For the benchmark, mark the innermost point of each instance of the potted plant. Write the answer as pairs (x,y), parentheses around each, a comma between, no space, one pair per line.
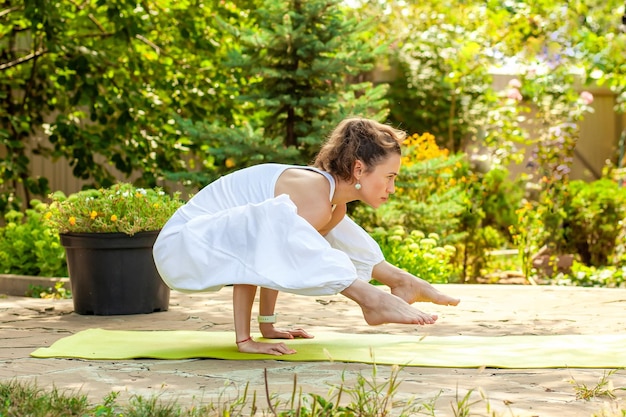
(108,234)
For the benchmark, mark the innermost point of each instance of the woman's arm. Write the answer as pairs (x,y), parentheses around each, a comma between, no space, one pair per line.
(339,212)
(267,303)
(243,298)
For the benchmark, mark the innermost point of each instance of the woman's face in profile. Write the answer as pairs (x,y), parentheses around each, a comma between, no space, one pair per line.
(377,184)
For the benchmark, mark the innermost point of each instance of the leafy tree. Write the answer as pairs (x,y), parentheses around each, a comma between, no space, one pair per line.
(444,52)
(444,86)
(301,59)
(103,81)
(439,71)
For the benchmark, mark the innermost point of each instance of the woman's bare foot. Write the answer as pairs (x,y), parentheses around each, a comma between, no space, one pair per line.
(380,307)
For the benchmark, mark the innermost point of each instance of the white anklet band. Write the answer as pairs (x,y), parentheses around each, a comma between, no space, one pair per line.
(267,319)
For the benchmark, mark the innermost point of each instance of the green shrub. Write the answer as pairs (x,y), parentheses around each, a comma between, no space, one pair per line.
(417,253)
(29,246)
(593,215)
(528,233)
(591,276)
(490,198)
(619,255)
(500,197)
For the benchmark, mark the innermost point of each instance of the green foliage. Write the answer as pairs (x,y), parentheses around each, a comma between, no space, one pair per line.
(18,399)
(600,34)
(442,64)
(593,216)
(604,388)
(121,208)
(188,91)
(417,253)
(112,82)
(619,255)
(300,58)
(527,233)
(30,246)
(103,81)
(489,200)
(443,85)
(590,276)
(558,108)
(444,52)
(500,195)
(587,221)
(228,148)
(59,291)
(369,397)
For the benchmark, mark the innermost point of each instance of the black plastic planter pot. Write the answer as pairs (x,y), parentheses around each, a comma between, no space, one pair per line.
(113,273)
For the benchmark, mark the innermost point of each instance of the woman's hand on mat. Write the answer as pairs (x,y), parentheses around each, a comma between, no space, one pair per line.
(269,332)
(252,346)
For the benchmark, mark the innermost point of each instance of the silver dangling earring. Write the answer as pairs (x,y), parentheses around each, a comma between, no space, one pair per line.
(357,185)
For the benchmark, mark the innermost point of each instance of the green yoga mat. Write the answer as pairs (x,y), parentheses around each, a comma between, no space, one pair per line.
(573,351)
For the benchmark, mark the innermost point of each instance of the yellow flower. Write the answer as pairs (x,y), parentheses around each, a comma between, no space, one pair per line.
(93,214)
(155,205)
(48,215)
(422,147)
(113,218)
(72,220)
(230,163)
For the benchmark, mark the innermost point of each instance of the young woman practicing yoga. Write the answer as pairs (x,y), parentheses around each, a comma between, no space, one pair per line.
(284,228)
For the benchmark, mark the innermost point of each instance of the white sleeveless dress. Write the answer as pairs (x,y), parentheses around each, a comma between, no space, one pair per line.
(235,231)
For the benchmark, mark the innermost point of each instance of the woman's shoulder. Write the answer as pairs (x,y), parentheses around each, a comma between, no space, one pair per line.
(306,175)
(310,192)
(303,181)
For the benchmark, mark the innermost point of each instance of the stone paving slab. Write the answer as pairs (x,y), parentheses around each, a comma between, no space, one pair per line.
(485,310)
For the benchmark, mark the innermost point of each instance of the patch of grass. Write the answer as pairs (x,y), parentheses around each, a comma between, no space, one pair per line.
(368,397)
(604,388)
(463,406)
(429,406)
(375,397)
(28,400)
